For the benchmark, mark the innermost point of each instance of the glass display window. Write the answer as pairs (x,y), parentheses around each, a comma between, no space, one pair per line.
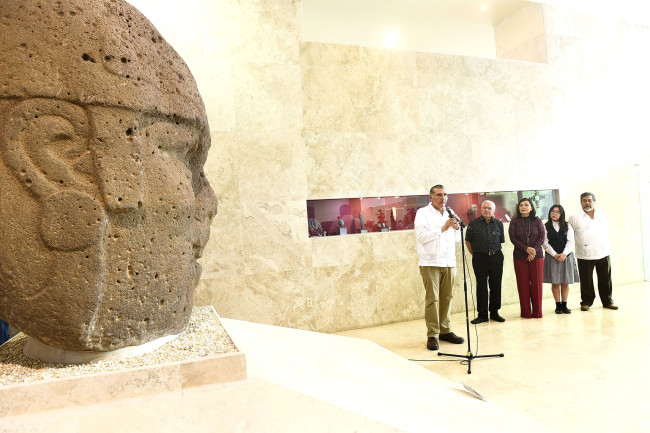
(347,216)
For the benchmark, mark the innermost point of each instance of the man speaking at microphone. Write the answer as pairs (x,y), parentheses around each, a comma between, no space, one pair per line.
(436,235)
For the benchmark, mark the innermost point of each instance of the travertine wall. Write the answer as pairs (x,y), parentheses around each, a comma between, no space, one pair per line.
(293,121)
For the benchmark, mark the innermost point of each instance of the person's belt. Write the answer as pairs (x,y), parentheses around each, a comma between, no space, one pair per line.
(491,253)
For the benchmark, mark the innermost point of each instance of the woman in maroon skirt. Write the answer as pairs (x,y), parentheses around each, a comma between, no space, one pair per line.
(527,233)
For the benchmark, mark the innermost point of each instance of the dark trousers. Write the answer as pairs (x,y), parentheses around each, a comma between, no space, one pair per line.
(488,270)
(603,273)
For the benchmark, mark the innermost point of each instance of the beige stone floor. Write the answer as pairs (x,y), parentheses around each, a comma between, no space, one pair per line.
(581,372)
(584,371)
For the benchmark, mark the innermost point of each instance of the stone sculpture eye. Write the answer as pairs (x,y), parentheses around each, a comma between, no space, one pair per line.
(172,139)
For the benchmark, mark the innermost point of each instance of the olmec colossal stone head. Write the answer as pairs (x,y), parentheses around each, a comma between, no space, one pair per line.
(104,207)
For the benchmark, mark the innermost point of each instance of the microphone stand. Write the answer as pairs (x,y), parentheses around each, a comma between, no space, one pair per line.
(469,356)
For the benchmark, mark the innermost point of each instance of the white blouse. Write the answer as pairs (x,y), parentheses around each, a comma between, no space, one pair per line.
(568,248)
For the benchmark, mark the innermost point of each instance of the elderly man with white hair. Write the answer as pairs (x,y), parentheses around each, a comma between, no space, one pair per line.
(483,239)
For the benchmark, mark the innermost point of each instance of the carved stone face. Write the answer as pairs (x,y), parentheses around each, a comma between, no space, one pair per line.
(104,207)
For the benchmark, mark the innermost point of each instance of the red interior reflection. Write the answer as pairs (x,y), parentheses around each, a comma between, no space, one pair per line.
(377,214)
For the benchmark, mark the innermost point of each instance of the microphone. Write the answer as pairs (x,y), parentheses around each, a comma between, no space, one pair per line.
(453,215)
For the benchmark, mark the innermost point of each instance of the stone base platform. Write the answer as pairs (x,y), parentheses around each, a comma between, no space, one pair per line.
(203,354)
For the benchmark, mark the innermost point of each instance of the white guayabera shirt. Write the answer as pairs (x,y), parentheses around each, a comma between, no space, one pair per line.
(435,247)
(591,235)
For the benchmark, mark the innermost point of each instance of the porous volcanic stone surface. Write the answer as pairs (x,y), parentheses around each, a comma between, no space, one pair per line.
(104,206)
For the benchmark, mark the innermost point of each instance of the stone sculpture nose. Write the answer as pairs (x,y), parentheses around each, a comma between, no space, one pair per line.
(206,209)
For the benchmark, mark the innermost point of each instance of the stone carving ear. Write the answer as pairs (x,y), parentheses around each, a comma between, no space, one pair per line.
(45,144)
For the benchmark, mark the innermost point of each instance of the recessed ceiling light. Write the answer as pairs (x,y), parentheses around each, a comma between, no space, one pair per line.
(391,39)
(484,8)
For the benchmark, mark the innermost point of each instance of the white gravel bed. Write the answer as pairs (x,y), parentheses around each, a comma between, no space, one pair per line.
(203,337)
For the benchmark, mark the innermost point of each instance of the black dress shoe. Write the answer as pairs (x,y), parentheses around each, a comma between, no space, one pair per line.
(432,343)
(450,337)
(479,320)
(497,318)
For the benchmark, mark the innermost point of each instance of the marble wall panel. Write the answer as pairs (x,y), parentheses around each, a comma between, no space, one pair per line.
(522,87)
(448,160)
(267,97)
(342,250)
(278,298)
(227,294)
(434,102)
(215,81)
(281,298)
(336,164)
(224,253)
(487,97)
(344,297)
(394,246)
(319,54)
(271,166)
(221,167)
(400,63)
(267,31)
(203,293)
(334,98)
(275,236)
(397,164)
(440,66)
(399,291)
(390,104)
(373,92)
(484,118)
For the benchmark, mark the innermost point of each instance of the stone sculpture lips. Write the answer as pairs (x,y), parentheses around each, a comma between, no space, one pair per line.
(104,207)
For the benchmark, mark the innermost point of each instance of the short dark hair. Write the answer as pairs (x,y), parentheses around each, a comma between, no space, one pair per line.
(434,187)
(585,194)
(532,213)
